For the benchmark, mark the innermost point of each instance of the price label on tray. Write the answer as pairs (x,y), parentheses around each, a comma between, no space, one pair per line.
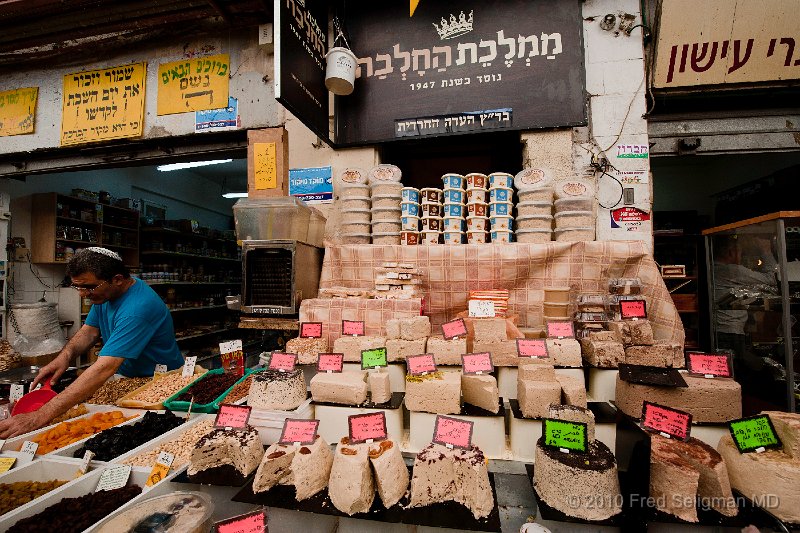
(114,477)
(330,362)
(560,329)
(452,432)
(283,362)
(299,431)
(16,392)
(232,357)
(665,421)
(754,434)
(532,348)
(160,369)
(311,330)
(255,522)
(454,329)
(188,366)
(420,365)
(373,358)
(566,436)
(87,459)
(481,309)
(633,309)
(709,364)
(232,416)
(160,469)
(28,451)
(367,427)
(6,463)
(351,327)
(477,363)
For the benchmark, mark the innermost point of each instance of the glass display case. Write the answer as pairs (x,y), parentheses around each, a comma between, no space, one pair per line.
(754,303)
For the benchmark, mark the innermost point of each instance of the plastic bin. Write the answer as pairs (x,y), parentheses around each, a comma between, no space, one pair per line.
(276,218)
(173,404)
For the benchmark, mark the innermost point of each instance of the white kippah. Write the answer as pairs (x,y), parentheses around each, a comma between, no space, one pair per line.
(104,251)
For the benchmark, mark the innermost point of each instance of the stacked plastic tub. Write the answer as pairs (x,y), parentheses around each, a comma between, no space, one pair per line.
(477,208)
(431,222)
(409,216)
(574,206)
(501,195)
(454,210)
(386,192)
(354,198)
(535,208)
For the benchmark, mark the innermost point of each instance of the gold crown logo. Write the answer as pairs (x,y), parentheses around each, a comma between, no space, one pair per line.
(455,27)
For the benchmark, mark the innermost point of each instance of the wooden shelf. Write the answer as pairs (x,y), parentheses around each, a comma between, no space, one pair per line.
(125,228)
(188,256)
(198,335)
(120,247)
(151,282)
(179,233)
(69,219)
(77,242)
(179,309)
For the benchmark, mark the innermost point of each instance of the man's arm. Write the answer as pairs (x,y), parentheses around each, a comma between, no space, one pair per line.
(85,338)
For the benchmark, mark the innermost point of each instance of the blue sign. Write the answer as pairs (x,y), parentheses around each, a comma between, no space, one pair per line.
(225,118)
(312,185)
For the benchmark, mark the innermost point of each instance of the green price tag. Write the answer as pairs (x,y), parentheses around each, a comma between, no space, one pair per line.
(566,436)
(373,358)
(754,434)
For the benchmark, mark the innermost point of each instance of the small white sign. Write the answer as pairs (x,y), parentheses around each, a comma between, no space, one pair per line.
(230,346)
(265,33)
(481,309)
(87,458)
(161,369)
(16,392)
(28,450)
(188,366)
(115,477)
(165,458)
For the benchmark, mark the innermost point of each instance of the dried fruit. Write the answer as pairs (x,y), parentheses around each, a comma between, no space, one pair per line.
(275,455)
(349,451)
(304,450)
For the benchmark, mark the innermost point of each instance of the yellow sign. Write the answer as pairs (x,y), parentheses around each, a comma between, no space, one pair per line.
(193,84)
(158,473)
(266,166)
(413,7)
(99,105)
(6,463)
(17,109)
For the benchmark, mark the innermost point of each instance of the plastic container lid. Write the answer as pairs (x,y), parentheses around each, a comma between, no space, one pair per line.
(534,203)
(539,217)
(352,176)
(533,178)
(394,209)
(562,214)
(187,512)
(574,204)
(384,173)
(574,188)
(562,230)
(359,198)
(389,197)
(355,186)
(534,230)
(388,234)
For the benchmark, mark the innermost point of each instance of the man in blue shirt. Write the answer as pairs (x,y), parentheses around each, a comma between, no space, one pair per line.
(135,325)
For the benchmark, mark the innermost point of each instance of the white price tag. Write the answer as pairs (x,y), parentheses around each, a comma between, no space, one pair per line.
(2,443)
(87,458)
(165,458)
(161,369)
(481,309)
(188,366)
(115,477)
(16,392)
(230,346)
(28,450)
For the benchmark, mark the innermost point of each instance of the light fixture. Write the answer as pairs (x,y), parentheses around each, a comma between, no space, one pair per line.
(192,164)
(235,195)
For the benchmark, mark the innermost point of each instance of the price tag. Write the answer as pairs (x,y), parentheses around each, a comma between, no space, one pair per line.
(283,362)
(454,329)
(188,366)
(160,369)
(29,450)
(420,365)
(633,309)
(566,436)
(367,427)
(477,363)
(481,309)
(709,364)
(560,329)
(330,362)
(6,463)
(232,357)
(311,330)
(2,443)
(16,392)
(453,432)
(160,469)
(350,327)
(87,458)
(115,477)
(373,358)
(296,431)
(754,433)
(255,522)
(232,416)
(532,348)
(662,419)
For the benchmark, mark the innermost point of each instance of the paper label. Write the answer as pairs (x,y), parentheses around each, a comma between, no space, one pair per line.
(160,469)
(481,309)
(232,357)
(560,329)
(453,432)
(419,365)
(29,450)
(311,330)
(659,418)
(711,364)
(532,348)
(330,362)
(16,392)
(282,361)
(351,327)
(454,328)
(255,522)
(160,369)
(188,366)
(265,165)
(6,463)
(115,477)
(633,309)
(572,436)
(477,363)
(373,358)
(87,458)
(299,431)
(754,433)
(370,426)
(232,416)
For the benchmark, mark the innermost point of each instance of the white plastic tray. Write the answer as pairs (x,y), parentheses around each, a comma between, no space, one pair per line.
(170,435)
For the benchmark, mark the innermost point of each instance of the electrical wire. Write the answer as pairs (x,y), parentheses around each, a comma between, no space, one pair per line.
(37,276)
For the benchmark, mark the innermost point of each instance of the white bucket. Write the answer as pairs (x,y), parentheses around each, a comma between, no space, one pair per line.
(340,72)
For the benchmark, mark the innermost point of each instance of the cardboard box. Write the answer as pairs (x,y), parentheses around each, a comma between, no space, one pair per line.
(267,163)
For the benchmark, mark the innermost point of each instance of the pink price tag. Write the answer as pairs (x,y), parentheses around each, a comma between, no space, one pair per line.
(311,330)
(350,327)
(330,362)
(255,522)
(299,431)
(633,309)
(709,364)
(560,329)
(532,348)
(453,329)
(282,361)
(421,364)
(370,426)
(452,432)
(232,416)
(474,363)
(662,419)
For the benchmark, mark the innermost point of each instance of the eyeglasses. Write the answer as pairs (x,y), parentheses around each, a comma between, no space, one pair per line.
(90,290)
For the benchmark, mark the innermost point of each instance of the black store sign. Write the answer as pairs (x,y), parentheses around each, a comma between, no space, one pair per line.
(462,66)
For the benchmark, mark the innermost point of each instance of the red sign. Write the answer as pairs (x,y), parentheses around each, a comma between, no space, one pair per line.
(330,362)
(560,330)
(477,363)
(232,357)
(350,327)
(255,522)
(285,362)
(666,421)
(370,426)
(311,330)
(630,309)
(419,365)
(453,329)
(232,416)
(299,431)
(709,364)
(532,348)
(453,432)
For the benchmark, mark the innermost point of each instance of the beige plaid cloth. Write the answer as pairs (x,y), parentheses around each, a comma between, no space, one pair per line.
(449,272)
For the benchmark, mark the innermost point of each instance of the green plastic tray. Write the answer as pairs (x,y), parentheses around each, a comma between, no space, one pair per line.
(173,404)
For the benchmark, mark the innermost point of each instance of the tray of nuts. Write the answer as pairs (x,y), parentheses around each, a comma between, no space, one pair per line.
(152,395)
(207,391)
